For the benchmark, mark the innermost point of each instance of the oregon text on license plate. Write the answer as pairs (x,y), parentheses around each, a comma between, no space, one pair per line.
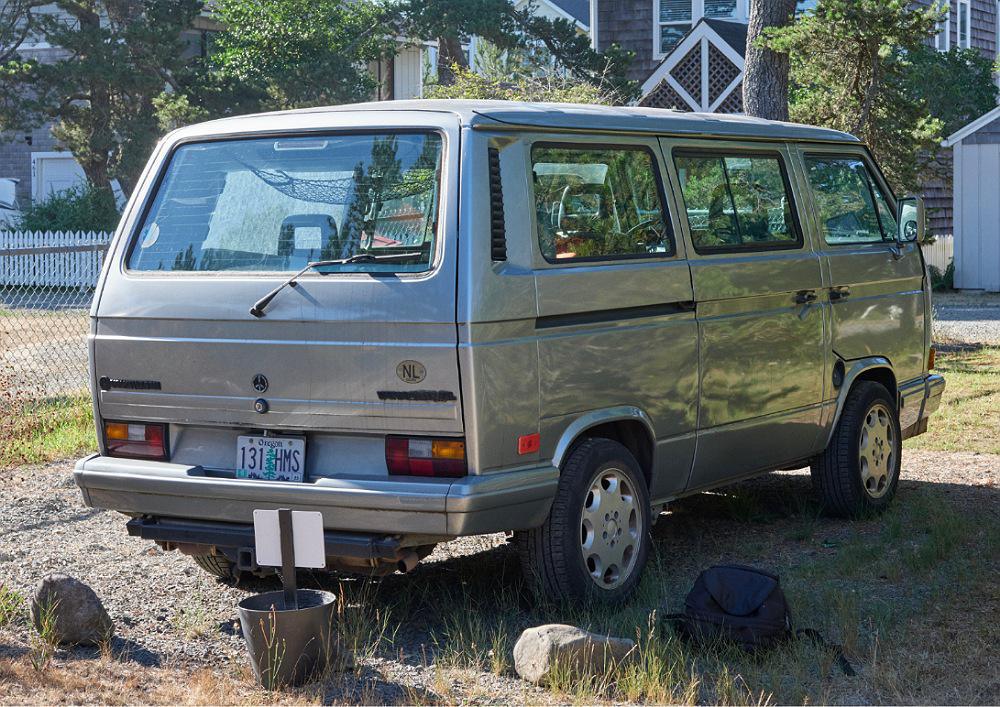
(270,458)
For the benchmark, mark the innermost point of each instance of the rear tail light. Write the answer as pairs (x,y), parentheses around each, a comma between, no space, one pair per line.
(137,440)
(930,359)
(422,456)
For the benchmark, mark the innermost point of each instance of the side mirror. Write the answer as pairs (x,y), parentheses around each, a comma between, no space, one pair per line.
(910,217)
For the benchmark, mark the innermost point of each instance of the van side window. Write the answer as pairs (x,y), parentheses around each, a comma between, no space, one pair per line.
(598,203)
(852,207)
(737,202)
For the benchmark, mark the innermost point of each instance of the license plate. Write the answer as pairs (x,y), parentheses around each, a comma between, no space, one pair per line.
(270,458)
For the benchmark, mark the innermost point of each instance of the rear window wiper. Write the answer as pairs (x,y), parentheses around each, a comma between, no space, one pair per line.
(260,305)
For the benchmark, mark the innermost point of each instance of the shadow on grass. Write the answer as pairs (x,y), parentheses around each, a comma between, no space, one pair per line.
(861,583)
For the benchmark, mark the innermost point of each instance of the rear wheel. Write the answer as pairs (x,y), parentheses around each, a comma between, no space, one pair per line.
(595,542)
(859,471)
(218,565)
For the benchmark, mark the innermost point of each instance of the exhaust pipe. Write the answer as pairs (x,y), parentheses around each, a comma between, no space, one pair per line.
(407,562)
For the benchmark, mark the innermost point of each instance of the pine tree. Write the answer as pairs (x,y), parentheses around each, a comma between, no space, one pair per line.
(118,56)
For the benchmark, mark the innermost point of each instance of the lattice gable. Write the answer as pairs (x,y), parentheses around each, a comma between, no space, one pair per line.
(703,70)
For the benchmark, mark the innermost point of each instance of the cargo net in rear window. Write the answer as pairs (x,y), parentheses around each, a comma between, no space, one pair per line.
(344,190)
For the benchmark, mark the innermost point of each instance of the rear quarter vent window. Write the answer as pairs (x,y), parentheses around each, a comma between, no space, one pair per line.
(498,228)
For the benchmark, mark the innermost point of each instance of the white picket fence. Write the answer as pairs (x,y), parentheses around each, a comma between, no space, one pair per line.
(940,252)
(74,258)
(51,258)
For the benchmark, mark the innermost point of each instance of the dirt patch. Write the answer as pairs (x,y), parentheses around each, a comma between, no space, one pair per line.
(910,594)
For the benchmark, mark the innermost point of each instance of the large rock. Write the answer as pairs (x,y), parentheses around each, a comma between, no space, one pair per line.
(540,648)
(77,615)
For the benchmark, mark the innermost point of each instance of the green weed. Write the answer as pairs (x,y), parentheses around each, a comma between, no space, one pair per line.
(11,606)
(44,640)
(193,620)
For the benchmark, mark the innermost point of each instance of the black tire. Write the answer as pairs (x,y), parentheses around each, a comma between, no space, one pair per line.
(218,565)
(837,473)
(552,555)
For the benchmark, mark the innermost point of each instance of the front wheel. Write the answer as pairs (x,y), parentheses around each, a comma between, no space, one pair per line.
(859,471)
(595,542)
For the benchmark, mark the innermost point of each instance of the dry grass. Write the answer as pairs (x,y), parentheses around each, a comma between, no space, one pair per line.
(969,416)
(930,561)
(119,682)
(911,595)
(40,430)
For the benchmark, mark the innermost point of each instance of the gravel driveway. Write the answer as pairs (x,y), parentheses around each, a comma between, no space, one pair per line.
(967,318)
(169,613)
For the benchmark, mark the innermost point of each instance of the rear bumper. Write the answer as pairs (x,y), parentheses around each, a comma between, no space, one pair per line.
(512,500)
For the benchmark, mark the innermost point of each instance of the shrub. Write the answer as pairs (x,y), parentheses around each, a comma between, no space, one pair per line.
(519,75)
(942,280)
(82,208)
(548,89)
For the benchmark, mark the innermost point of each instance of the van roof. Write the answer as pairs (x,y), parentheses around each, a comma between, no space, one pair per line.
(512,115)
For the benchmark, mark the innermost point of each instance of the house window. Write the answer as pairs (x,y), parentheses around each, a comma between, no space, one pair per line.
(720,9)
(942,40)
(674,19)
(964,21)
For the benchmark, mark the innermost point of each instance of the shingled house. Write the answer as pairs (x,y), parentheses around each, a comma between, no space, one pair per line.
(690,56)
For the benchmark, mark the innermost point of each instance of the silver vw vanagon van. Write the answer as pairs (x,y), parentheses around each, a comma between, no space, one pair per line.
(433,319)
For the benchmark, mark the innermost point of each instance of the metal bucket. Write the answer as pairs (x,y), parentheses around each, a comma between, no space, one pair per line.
(288,646)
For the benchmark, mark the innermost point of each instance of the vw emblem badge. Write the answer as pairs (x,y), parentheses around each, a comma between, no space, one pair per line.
(260,405)
(260,383)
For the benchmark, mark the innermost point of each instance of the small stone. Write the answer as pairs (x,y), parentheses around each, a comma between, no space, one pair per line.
(72,611)
(540,648)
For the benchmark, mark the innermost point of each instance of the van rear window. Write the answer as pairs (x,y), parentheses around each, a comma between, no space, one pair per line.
(277,204)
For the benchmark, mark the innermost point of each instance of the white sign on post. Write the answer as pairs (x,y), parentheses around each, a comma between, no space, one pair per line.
(307,531)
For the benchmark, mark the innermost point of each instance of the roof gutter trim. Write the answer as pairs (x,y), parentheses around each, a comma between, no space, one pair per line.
(524,127)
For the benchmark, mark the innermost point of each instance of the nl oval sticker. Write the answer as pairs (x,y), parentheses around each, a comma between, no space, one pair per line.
(411,371)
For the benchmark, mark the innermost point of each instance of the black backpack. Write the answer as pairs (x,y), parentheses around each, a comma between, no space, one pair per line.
(745,606)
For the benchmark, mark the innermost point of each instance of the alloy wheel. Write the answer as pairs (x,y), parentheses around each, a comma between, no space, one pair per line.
(877,451)
(610,528)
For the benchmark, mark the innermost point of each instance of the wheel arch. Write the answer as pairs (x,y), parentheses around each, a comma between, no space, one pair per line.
(877,369)
(627,425)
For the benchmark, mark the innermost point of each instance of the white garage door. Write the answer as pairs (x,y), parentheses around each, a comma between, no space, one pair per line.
(53,172)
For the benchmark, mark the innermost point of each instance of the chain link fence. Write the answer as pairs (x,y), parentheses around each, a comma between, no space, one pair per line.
(47,283)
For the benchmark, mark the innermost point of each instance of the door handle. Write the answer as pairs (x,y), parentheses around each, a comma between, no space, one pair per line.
(805,296)
(839,293)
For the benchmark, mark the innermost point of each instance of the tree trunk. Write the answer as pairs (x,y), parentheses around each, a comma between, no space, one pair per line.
(450,54)
(88,133)
(765,78)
